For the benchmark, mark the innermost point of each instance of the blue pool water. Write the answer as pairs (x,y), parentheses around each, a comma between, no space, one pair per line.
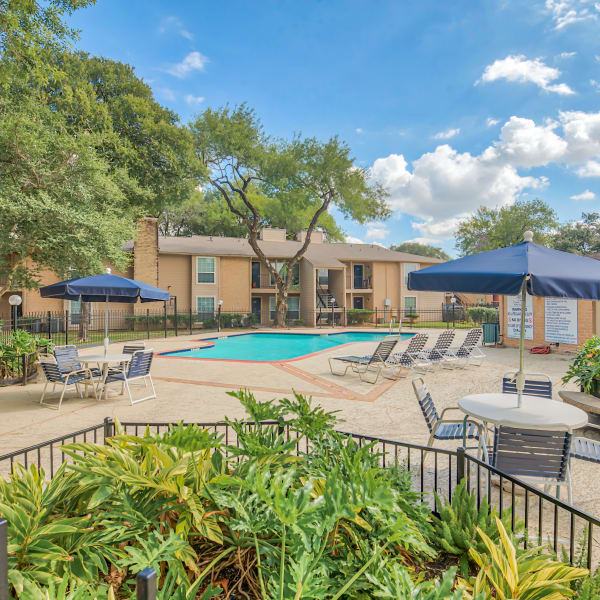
(276,346)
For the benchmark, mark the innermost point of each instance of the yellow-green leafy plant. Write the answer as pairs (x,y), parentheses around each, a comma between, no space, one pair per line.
(505,575)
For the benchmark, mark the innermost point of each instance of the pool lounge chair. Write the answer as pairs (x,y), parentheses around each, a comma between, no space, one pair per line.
(401,363)
(436,355)
(468,352)
(372,362)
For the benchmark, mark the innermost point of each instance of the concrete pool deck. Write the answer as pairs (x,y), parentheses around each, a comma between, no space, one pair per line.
(196,390)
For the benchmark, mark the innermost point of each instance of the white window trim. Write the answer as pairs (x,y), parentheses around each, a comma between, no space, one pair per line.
(207,296)
(405,274)
(404,302)
(196,272)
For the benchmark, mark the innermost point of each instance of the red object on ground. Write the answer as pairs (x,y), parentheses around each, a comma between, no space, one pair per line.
(540,350)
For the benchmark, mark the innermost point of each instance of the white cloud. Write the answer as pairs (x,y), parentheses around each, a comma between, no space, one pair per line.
(522,143)
(595,84)
(582,132)
(191,99)
(194,61)
(376,231)
(446,134)
(166,93)
(491,122)
(175,24)
(359,130)
(567,54)
(353,240)
(590,169)
(518,68)
(567,12)
(587,195)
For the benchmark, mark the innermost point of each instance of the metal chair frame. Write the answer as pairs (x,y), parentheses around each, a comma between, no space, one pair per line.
(469,351)
(435,355)
(138,369)
(54,376)
(401,363)
(542,386)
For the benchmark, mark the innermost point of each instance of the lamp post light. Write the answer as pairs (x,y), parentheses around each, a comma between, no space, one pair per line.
(220,303)
(332,300)
(15,301)
(453,302)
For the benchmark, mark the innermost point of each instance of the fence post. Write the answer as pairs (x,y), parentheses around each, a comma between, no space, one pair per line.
(165,317)
(375,316)
(147,323)
(108,428)
(49,324)
(175,315)
(3,559)
(460,464)
(66,327)
(191,331)
(24,367)
(146,584)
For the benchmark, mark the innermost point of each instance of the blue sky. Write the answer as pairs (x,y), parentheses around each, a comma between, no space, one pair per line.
(450,104)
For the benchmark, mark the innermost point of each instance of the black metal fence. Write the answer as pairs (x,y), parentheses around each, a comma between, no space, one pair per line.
(569,530)
(17,367)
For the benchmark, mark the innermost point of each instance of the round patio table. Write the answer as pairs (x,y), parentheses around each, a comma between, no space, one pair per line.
(105,360)
(535,412)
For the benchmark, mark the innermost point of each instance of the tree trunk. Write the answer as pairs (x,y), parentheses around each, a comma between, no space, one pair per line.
(84,322)
(281,307)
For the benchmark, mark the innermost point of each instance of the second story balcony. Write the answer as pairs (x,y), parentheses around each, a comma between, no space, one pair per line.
(264,281)
(358,277)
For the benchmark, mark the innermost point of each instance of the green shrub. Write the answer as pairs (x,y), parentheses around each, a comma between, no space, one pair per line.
(456,529)
(252,319)
(358,316)
(482,314)
(210,323)
(18,343)
(229,320)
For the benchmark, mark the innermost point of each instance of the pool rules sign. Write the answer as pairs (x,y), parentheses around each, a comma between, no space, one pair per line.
(513,317)
(560,320)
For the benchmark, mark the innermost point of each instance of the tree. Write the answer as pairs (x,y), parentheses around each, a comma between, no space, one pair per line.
(206,213)
(492,228)
(246,167)
(59,207)
(579,237)
(128,128)
(420,250)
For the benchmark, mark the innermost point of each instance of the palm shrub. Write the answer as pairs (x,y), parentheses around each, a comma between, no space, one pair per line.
(456,529)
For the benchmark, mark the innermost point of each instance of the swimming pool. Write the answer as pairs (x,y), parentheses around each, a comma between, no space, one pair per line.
(274,347)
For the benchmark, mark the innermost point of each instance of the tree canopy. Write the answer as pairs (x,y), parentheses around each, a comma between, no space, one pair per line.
(420,249)
(579,237)
(492,228)
(252,170)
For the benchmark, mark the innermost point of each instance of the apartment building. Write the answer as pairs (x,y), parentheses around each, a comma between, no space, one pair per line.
(201,271)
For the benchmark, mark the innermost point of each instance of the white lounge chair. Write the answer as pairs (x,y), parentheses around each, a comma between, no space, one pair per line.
(435,355)
(371,362)
(401,363)
(468,352)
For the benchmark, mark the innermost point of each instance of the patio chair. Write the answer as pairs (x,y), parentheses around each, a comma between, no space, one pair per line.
(55,376)
(67,359)
(469,351)
(371,362)
(441,428)
(536,384)
(127,349)
(400,363)
(585,449)
(535,456)
(137,369)
(440,349)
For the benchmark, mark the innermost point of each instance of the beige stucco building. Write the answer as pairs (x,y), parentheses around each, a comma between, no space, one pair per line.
(202,270)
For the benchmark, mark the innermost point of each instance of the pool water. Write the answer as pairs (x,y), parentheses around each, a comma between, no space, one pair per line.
(265,347)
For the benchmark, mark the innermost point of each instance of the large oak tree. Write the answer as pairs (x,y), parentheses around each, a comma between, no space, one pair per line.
(249,169)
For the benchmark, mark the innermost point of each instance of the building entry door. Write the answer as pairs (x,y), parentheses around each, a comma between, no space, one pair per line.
(358,302)
(256,307)
(358,276)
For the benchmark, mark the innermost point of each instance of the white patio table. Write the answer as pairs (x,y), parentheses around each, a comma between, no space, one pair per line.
(535,412)
(104,360)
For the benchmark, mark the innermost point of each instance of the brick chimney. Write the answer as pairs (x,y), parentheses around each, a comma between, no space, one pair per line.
(145,251)
(316,237)
(272,234)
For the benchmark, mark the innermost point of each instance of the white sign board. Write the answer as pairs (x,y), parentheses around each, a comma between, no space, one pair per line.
(513,317)
(560,320)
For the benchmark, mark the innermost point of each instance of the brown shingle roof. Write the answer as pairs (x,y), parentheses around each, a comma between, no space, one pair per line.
(321,255)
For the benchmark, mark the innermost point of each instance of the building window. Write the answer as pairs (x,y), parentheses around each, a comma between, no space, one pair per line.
(205,270)
(75,311)
(408,268)
(410,304)
(293,308)
(205,305)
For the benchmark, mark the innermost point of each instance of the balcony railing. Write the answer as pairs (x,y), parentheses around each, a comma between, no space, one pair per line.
(265,282)
(358,283)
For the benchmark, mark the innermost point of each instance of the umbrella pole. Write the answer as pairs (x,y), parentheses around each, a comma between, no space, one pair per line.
(106,325)
(521,375)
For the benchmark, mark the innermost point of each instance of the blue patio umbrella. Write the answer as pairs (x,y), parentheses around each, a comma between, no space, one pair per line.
(105,288)
(526,268)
